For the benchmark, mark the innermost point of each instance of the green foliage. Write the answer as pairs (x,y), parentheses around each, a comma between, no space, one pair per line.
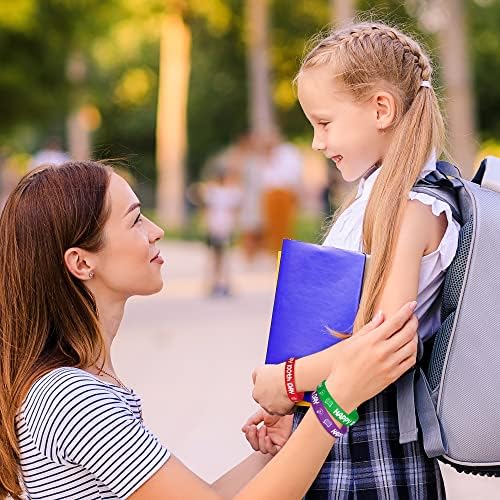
(217,107)
(119,40)
(483,21)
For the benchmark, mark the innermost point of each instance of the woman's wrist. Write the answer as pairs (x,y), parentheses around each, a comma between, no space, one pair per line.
(343,397)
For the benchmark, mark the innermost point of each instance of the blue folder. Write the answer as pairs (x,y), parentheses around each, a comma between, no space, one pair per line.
(317,293)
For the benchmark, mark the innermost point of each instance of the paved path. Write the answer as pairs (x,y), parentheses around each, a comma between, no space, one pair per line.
(179,344)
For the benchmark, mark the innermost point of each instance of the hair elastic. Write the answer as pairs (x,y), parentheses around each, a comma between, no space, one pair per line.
(426,83)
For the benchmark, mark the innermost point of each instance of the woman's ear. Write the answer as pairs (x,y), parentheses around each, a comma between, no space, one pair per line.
(77,263)
(385,109)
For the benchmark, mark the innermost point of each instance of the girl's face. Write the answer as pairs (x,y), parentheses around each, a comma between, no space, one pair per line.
(129,263)
(347,132)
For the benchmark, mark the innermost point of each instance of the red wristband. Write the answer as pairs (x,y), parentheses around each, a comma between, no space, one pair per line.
(291,389)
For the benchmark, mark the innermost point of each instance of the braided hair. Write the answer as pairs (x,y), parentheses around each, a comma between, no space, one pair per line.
(365,58)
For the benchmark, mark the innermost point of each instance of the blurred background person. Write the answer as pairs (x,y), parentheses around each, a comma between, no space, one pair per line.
(251,220)
(281,179)
(221,198)
(51,153)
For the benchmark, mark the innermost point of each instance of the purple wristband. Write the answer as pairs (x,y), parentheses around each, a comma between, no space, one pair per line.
(325,419)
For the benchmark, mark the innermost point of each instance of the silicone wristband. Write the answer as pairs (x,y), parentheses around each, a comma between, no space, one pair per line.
(291,389)
(333,407)
(325,419)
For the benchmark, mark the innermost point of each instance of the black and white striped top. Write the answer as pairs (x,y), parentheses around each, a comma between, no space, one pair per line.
(82,438)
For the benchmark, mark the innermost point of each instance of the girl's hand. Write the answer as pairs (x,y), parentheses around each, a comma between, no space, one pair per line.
(269,389)
(374,358)
(269,437)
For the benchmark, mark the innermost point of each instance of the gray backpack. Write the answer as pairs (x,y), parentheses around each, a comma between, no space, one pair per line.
(454,391)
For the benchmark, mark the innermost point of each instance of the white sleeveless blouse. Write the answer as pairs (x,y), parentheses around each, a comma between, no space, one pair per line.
(346,233)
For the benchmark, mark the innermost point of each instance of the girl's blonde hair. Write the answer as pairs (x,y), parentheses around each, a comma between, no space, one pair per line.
(367,57)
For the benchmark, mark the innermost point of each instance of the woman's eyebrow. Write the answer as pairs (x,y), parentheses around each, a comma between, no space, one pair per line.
(132,207)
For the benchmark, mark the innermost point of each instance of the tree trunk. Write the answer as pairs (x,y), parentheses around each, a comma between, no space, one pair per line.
(342,11)
(171,128)
(77,127)
(459,98)
(262,120)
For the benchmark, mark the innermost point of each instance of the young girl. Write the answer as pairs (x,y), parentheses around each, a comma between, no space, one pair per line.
(368,94)
(74,248)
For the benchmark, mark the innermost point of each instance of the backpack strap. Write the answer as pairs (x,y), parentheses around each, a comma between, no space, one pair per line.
(488,175)
(433,436)
(442,183)
(412,389)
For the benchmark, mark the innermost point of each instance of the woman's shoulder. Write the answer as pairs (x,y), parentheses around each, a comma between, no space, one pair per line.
(60,387)
(65,376)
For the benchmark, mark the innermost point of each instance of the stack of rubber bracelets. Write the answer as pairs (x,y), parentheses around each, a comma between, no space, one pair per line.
(324,405)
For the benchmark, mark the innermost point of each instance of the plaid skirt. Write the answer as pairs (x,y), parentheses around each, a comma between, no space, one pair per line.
(368,463)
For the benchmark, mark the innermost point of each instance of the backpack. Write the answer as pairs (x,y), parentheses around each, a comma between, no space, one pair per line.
(454,390)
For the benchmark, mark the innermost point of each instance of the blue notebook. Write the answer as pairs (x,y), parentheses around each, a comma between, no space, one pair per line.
(318,291)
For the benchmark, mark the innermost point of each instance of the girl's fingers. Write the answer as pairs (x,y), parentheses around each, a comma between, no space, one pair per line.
(252,438)
(262,433)
(255,419)
(271,447)
(270,420)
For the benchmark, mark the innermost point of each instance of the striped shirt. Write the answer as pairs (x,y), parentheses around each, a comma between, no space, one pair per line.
(82,438)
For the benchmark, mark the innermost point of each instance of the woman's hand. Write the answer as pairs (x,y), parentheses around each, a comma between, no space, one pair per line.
(374,358)
(269,389)
(271,435)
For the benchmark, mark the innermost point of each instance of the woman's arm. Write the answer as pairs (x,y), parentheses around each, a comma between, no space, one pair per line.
(377,356)
(421,232)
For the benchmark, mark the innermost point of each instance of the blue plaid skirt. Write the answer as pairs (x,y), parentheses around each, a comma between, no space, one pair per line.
(368,463)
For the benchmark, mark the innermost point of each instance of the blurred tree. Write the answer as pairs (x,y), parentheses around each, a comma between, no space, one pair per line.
(171,130)
(483,19)
(446,19)
(119,40)
(262,116)
(342,10)
(33,84)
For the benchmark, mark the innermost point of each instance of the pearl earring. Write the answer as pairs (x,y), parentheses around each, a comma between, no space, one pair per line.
(91,275)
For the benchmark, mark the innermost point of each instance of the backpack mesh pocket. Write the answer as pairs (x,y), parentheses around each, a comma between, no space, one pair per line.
(455,274)
(452,289)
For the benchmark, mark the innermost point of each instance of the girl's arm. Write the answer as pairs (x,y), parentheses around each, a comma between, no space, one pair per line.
(420,234)
(379,354)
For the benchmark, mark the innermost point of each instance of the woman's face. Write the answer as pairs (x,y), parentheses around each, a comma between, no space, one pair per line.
(129,263)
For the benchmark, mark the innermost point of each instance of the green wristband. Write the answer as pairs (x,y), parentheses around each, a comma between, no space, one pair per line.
(334,409)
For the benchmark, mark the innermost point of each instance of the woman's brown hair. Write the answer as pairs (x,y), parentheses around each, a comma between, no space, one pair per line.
(366,57)
(48,318)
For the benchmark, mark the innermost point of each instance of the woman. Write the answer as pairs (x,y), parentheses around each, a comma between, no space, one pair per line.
(75,247)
